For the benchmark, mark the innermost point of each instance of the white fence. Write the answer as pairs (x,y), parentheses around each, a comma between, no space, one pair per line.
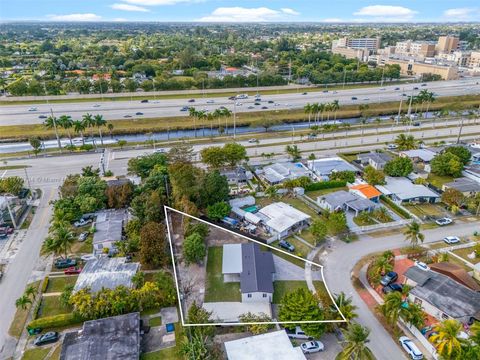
(391,224)
(424,341)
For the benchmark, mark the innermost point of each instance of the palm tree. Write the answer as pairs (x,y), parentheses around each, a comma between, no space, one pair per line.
(406,142)
(413,234)
(192,112)
(392,307)
(66,122)
(51,123)
(89,122)
(294,152)
(447,340)
(110,129)
(31,292)
(355,344)
(308,109)
(99,123)
(413,315)
(344,304)
(79,127)
(377,121)
(60,239)
(22,302)
(335,107)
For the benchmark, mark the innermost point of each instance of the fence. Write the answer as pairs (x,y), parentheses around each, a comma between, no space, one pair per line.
(425,343)
(390,224)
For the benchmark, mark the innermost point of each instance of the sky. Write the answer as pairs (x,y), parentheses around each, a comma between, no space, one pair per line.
(242,11)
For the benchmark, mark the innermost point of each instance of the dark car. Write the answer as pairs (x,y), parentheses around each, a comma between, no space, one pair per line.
(389,278)
(424,85)
(264,107)
(270,101)
(325,91)
(191,100)
(415,88)
(139,113)
(397,88)
(354,98)
(232,98)
(144,101)
(257,103)
(185,108)
(47,338)
(42,117)
(286,245)
(3,235)
(304,93)
(391,288)
(65,263)
(416,123)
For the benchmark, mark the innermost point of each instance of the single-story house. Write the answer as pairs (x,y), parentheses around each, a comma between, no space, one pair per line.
(236,176)
(324,167)
(366,191)
(401,189)
(274,345)
(281,171)
(442,297)
(466,186)
(375,159)
(242,201)
(280,218)
(116,337)
(107,273)
(343,201)
(252,267)
(108,229)
(419,155)
(457,273)
(472,172)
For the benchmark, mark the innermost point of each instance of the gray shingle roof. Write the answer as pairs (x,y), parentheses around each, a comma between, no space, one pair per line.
(109,225)
(257,269)
(338,198)
(464,185)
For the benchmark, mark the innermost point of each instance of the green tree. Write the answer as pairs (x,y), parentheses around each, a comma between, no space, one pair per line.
(51,123)
(99,122)
(78,128)
(373,176)
(319,230)
(153,245)
(22,302)
(405,142)
(143,165)
(234,153)
(213,156)
(345,305)
(413,234)
(194,249)
(294,152)
(400,166)
(453,197)
(446,164)
(302,305)
(336,223)
(11,185)
(196,348)
(36,145)
(256,329)
(60,239)
(218,210)
(447,339)
(461,152)
(355,344)
(198,315)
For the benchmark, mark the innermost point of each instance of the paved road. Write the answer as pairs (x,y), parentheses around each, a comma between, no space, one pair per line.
(341,260)
(20,114)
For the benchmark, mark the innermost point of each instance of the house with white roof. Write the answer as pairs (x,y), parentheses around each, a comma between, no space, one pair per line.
(401,189)
(419,155)
(324,167)
(280,219)
(281,171)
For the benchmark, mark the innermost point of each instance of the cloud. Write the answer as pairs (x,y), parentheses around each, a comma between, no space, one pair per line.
(240,14)
(386,13)
(461,13)
(75,17)
(159,2)
(128,7)
(332,20)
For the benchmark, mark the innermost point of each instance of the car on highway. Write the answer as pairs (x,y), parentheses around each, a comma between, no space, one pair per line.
(96,105)
(73,270)
(264,107)
(354,98)
(251,107)
(144,101)
(88,257)
(241,96)
(32,109)
(404,94)
(410,348)
(232,98)
(210,101)
(391,288)
(311,347)
(276,104)
(416,124)
(443,221)
(191,100)
(127,116)
(222,108)
(185,108)
(238,103)
(271,101)
(421,265)
(383,89)
(392,146)
(83,236)
(304,93)
(415,88)
(138,113)
(451,240)
(397,88)
(366,99)
(42,117)
(389,278)
(162,151)
(325,91)
(47,338)
(423,85)
(82,222)
(62,263)
(257,103)
(286,245)
(253,141)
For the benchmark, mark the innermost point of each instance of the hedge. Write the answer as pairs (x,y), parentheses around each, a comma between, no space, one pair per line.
(395,207)
(45,284)
(55,321)
(325,185)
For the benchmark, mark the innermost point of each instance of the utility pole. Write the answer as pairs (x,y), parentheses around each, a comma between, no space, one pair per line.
(399,111)
(56,131)
(28,180)
(234,118)
(14,222)
(344,77)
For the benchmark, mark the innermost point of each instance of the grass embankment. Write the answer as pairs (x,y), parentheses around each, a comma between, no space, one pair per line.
(217,290)
(134,126)
(36,354)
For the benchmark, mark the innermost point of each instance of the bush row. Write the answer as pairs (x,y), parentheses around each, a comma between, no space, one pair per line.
(395,207)
(325,185)
(55,321)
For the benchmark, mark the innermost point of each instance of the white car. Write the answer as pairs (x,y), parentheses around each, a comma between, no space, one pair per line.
(253,141)
(96,105)
(422,265)
(210,101)
(312,347)
(88,257)
(451,239)
(444,221)
(411,349)
(392,146)
(32,109)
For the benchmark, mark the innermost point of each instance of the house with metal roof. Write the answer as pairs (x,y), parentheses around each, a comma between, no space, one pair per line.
(280,219)
(116,337)
(375,159)
(442,297)
(106,273)
(281,171)
(466,186)
(366,191)
(108,229)
(324,167)
(419,155)
(401,189)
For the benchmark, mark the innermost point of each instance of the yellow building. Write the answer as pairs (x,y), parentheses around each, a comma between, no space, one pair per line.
(410,67)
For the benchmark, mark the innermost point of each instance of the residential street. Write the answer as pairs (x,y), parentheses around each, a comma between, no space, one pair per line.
(338,265)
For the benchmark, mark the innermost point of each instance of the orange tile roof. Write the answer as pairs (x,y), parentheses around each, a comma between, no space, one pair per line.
(368,190)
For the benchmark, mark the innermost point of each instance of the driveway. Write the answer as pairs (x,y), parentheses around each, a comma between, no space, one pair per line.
(285,270)
(340,262)
(332,348)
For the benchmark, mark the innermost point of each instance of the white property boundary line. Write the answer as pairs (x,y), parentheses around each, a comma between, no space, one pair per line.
(258,242)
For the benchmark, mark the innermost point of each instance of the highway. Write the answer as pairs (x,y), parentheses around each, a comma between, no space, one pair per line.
(30,114)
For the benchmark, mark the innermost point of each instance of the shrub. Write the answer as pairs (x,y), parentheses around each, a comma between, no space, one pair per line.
(45,284)
(325,185)
(55,321)
(395,207)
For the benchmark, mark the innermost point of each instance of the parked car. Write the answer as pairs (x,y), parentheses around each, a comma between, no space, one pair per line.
(391,288)
(389,278)
(298,333)
(74,270)
(65,263)
(82,222)
(6,230)
(144,101)
(421,265)
(47,338)
(312,347)
(451,239)
(410,348)
(88,257)
(444,221)
(3,235)
(286,245)
(83,236)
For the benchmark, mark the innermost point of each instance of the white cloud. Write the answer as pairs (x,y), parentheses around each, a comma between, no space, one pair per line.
(75,17)
(332,20)
(386,13)
(159,2)
(241,14)
(128,7)
(461,13)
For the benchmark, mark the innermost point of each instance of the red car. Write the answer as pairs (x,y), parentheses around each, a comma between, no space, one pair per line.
(74,270)
(6,230)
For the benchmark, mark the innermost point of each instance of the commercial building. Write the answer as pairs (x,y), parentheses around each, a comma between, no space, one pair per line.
(412,67)
(447,44)
(415,48)
(281,219)
(371,44)
(401,189)
(351,53)
(270,346)
(106,273)
(115,337)
(108,230)
(474,60)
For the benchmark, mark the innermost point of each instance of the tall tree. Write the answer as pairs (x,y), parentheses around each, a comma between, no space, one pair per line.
(413,234)
(355,344)
(153,245)
(51,123)
(447,339)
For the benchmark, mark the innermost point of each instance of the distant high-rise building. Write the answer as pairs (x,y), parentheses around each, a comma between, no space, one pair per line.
(447,44)
(371,44)
(415,48)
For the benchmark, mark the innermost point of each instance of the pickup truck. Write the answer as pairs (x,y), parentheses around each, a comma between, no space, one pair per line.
(298,333)
(65,263)
(82,222)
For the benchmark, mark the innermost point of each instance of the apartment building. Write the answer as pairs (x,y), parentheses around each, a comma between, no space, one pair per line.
(447,44)
(415,48)
(351,53)
(371,44)
(474,60)
(412,67)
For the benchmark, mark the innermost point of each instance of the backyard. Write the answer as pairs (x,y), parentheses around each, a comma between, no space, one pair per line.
(216,289)
(58,283)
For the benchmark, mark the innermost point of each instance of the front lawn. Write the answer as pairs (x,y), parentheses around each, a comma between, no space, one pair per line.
(301,249)
(51,306)
(463,253)
(58,283)
(438,181)
(85,247)
(217,290)
(280,288)
(300,205)
(422,210)
(36,354)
